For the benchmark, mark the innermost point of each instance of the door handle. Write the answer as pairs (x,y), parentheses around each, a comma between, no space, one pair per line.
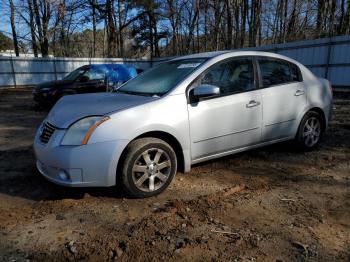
(252,103)
(299,93)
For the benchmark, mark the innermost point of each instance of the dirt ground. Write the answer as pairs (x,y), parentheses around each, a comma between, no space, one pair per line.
(270,204)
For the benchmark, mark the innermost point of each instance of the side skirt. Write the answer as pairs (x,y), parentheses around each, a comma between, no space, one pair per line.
(234,151)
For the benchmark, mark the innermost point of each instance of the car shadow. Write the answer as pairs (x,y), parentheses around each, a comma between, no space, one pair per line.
(33,186)
(23,180)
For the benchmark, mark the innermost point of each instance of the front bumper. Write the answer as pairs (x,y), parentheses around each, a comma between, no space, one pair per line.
(44,98)
(78,166)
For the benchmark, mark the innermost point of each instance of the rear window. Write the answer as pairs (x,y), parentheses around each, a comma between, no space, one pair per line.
(277,72)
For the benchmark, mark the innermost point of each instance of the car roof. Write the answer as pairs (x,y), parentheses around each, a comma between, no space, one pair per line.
(209,55)
(202,55)
(106,65)
(228,53)
(109,65)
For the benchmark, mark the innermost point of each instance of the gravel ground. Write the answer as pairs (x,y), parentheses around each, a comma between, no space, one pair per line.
(270,204)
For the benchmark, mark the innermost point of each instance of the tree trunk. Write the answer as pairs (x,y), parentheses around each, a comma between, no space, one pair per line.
(111,32)
(155,37)
(38,24)
(93,28)
(320,17)
(120,34)
(191,27)
(205,27)
(332,18)
(346,29)
(197,27)
(45,24)
(217,21)
(229,25)
(237,12)
(13,27)
(32,28)
(244,20)
(151,38)
(254,21)
(291,30)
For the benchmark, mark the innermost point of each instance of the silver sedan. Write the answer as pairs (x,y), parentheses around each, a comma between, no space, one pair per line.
(181,112)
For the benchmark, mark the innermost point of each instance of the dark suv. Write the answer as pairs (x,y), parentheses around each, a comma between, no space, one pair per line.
(85,79)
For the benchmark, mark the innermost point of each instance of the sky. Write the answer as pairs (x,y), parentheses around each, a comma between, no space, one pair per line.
(4,18)
(5,25)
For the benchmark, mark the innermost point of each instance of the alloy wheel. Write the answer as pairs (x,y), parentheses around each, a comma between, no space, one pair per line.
(311,131)
(151,169)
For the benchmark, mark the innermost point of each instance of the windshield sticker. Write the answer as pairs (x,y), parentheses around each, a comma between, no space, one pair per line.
(188,65)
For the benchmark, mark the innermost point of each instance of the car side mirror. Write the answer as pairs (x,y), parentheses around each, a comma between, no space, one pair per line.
(84,79)
(204,91)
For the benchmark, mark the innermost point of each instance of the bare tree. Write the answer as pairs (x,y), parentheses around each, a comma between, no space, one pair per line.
(172,27)
(42,13)
(32,27)
(13,27)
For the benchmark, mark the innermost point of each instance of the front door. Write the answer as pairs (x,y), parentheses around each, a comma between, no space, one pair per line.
(92,81)
(232,120)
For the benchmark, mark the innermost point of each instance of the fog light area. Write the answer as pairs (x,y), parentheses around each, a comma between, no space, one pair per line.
(63,175)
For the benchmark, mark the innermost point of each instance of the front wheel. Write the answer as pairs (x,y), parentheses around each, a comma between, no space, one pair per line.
(150,165)
(310,131)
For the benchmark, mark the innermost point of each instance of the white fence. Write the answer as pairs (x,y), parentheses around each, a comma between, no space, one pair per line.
(24,71)
(327,57)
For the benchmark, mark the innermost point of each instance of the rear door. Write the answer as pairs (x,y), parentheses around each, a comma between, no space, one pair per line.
(232,120)
(283,96)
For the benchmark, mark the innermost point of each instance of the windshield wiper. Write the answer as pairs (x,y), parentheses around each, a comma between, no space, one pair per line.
(138,93)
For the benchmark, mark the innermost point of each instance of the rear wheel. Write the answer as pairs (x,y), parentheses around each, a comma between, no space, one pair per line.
(150,165)
(310,131)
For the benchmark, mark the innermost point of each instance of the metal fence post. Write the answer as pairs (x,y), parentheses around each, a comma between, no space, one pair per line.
(54,68)
(13,72)
(329,49)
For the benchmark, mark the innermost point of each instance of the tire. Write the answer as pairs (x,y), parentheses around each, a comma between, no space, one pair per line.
(310,131)
(149,166)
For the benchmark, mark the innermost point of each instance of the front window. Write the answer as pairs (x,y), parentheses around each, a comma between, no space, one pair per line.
(162,78)
(233,76)
(75,74)
(94,74)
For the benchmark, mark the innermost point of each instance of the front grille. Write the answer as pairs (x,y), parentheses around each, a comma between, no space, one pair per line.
(47,131)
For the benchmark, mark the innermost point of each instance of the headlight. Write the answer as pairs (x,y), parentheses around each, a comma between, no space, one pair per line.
(80,132)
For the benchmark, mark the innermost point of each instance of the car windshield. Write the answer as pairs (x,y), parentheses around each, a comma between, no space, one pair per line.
(162,78)
(75,74)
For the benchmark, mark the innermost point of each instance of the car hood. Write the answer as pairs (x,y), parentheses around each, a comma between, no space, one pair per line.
(54,84)
(71,108)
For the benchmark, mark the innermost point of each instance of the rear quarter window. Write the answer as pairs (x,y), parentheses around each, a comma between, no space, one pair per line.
(295,72)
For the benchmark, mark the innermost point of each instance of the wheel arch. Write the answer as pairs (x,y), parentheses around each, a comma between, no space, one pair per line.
(170,139)
(321,113)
